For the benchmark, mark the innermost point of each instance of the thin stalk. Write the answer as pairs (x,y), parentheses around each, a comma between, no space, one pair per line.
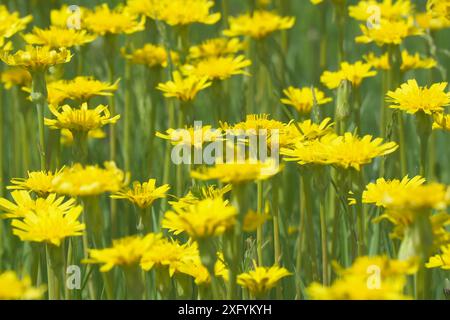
(259,231)
(324,243)
(39,97)
(54,271)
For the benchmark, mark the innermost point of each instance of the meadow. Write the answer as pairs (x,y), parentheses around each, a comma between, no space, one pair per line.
(201,149)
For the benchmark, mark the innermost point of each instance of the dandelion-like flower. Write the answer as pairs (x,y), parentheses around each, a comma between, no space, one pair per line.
(82,119)
(441,260)
(217,47)
(125,252)
(387,9)
(11,23)
(258,25)
(218,68)
(409,62)
(40,182)
(143,194)
(15,77)
(262,279)
(57,37)
(192,137)
(151,55)
(441,121)
(204,219)
(388,32)
(411,98)
(354,73)
(14,288)
(184,88)
(303,99)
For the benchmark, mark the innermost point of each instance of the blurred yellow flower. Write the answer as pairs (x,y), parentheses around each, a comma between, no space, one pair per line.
(183,88)
(258,25)
(217,68)
(58,37)
(102,20)
(82,181)
(200,193)
(40,182)
(80,120)
(204,219)
(409,62)
(440,260)
(387,9)
(217,47)
(411,98)
(262,279)
(68,17)
(35,58)
(198,271)
(15,77)
(426,20)
(143,194)
(124,252)
(11,23)
(13,288)
(303,99)
(193,136)
(253,220)
(151,55)
(388,32)
(439,8)
(354,73)
(441,121)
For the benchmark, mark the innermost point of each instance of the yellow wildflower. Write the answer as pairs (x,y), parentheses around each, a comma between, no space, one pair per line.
(143,195)
(192,136)
(218,68)
(217,47)
(151,55)
(11,23)
(303,99)
(441,121)
(57,37)
(387,9)
(388,32)
(40,182)
(36,58)
(184,89)
(15,77)
(13,288)
(440,260)
(354,73)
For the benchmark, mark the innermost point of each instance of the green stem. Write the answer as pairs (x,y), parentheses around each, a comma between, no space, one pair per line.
(259,231)
(80,146)
(39,97)
(54,271)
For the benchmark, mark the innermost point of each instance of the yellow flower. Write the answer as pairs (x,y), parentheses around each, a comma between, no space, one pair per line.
(143,195)
(49,225)
(80,89)
(360,281)
(169,254)
(354,73)
(15,77)
(200,193)
(217,47)
(25,203)
(307,131)
(66,17)
(388,32)
(439,8)
(254,220)
(67,136)
(316,2)
(377,192)
(11,23)
(387,9)
(378,62)
(218,68)
(102,21)
(262,279)
(409,62)
(82,119)
(193,136)
(206,218)
(238,172)
(258,25)
(426,20)
(198,271)
(440,260)
(184,89)
(303,99)
(125,252)
(411,98)
(58,37)
(441,121)
(151,55)
(35,58)
(89,180)
(13,288)
(40,182)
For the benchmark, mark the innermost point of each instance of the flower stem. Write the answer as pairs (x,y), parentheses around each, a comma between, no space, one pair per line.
(39,97)
(259,231)
(54,271)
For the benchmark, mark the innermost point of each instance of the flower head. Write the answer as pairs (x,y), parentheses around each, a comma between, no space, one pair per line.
(439,8)
(354,73)
(151,55)
(218,68)
(441,121)
(82,181)
(184,88)
(15,77)
(11,23)
(441,260)
(411,98)
(206,218)
(388,9)
(35,58)
(143,194)
(388,32)
(40,182)
(262,279)
(198,271)
(303,99)
(258,25)
(124,252)
(409,62)
(82,119)
(57,37)
(217,47)
(102,20)
(14,288)
(192,137)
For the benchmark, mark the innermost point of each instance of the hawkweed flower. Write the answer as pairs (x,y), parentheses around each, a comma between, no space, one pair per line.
(303,99)
(64,17)
(388,32)
(439,8)
(204,219)
(124,252)
(184,88)
(441,122)
(195,195)
(102,21)
(143,194)
(14,288)
(258,25)
(79,180)
(200,273)
(15,77)
(11,23)
(57,37)
(441,260)
(262,279)
(356,283)
(82,119)
(50,225)
(354,73)
(151,55)
(217,47)
(192,137)
(409,62)
(388,9)
(411,98)
(253,220)
(217,68)
(428,21)
(23,203)
(40,182)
